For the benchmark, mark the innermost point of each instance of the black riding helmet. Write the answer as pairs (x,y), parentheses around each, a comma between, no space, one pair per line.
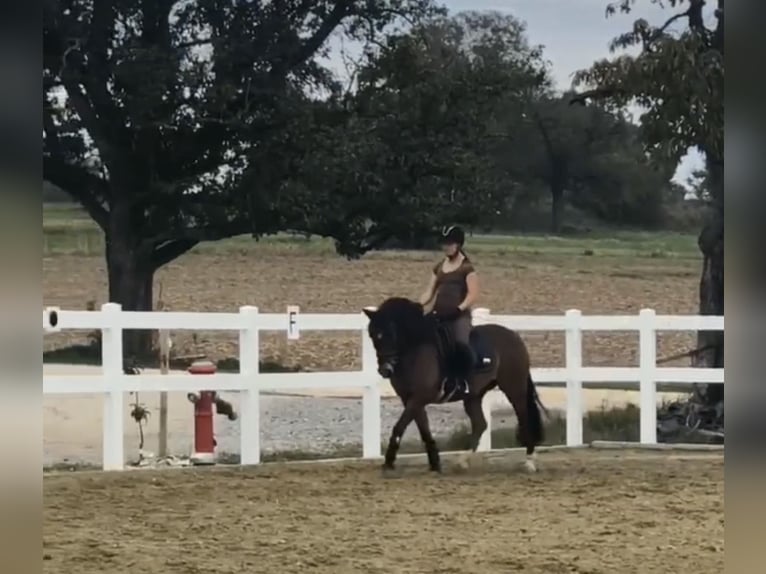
(453,234)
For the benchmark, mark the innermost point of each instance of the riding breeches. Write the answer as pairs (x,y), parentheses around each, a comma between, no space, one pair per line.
(461,329)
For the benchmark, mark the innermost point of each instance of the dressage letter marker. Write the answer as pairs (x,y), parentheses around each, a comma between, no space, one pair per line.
(293,332)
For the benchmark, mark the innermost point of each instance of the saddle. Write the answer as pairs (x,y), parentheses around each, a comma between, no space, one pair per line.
(459,363)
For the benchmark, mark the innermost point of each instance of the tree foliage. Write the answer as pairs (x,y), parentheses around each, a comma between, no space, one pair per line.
(431,98)
(178,122)
(171,106)
(678,79)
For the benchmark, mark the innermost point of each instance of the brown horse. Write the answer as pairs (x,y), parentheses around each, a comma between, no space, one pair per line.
(416,354)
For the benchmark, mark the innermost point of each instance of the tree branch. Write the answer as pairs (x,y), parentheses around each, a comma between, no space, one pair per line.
(84,186)
(696,20)
(661,30)
(166,252)
(315,41)
(90,119)
(198,234)
(546,136)
(95,107)
(693,13)
(193,43)
(101,27)
(718,32)
(596,94)
(80,184)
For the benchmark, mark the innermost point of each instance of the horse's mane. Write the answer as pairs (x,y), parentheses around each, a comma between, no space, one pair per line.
(407,316)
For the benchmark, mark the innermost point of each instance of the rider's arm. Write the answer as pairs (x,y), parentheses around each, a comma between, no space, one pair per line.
(430,291)
(472,284)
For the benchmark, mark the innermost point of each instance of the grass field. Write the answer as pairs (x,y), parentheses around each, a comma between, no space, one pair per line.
(597,273)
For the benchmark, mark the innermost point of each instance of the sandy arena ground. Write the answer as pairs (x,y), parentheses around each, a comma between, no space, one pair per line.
(585,511)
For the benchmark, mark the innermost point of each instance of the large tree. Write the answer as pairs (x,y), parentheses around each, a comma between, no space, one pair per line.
(432,96)
(172,122)
(678,79)
(590,158)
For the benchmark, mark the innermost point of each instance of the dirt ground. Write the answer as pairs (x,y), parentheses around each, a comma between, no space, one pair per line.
(585,511)
(272,278)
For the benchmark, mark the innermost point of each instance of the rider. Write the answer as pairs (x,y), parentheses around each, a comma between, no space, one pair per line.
(454,288)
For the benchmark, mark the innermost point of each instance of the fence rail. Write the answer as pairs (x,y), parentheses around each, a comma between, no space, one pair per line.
(112,382)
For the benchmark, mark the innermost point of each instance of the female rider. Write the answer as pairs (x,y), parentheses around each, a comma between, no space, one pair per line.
(453,287)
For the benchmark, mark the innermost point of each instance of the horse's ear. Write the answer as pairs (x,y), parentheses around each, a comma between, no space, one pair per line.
(369,312)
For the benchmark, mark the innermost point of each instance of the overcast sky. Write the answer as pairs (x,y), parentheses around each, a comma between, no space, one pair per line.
(575,33)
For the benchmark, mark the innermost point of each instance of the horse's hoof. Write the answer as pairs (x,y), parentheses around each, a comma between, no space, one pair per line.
(463,462)
(436,469)
(530,466)
(388,471)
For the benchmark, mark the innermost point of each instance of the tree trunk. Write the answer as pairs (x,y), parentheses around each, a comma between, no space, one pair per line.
(711,300)
(131,282)
(557,207)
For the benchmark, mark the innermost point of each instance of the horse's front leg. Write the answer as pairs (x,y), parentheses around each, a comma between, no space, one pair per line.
(411,409)
(421,419)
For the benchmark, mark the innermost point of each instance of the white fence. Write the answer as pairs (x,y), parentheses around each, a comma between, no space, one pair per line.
(111,320)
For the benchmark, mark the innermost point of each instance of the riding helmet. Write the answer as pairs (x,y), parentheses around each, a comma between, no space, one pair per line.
(453,234)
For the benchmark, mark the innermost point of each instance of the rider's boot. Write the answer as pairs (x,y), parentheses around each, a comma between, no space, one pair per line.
(467,363)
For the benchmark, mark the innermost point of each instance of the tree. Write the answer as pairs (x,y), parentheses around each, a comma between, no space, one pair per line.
(699,181)
(678,80)
(619,183)
(430,98)
(588,157)
(163,119)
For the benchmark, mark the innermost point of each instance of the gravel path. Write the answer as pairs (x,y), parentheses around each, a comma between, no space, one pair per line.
(305,423)
(72,424)
(72,427)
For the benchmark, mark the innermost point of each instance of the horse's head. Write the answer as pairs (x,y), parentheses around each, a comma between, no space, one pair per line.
(394,327)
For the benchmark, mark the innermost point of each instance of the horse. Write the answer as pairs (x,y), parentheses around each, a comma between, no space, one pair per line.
(415,352)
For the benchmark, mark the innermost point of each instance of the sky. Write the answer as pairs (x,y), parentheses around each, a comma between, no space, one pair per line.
(574,34)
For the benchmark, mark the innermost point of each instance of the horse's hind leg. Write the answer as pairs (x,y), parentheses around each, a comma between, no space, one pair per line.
(526,421)
(472,406)
(421,420)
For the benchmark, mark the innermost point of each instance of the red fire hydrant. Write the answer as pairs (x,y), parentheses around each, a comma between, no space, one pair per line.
(204,440)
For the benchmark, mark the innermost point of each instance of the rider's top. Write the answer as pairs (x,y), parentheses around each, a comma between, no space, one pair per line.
(451,287)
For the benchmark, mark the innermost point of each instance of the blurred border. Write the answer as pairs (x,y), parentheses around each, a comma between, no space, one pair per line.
(745,221)
(20,286)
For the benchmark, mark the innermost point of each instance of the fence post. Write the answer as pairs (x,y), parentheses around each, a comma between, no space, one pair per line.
(371,422)
(250,406)
(573,352)
(647,386)
(112,368)
(480,316)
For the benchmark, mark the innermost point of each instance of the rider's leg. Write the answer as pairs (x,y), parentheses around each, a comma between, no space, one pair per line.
(461,329)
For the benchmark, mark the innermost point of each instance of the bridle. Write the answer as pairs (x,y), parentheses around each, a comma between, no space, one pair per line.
(388,359)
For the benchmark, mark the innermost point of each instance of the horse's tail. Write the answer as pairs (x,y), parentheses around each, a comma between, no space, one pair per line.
(534,416)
